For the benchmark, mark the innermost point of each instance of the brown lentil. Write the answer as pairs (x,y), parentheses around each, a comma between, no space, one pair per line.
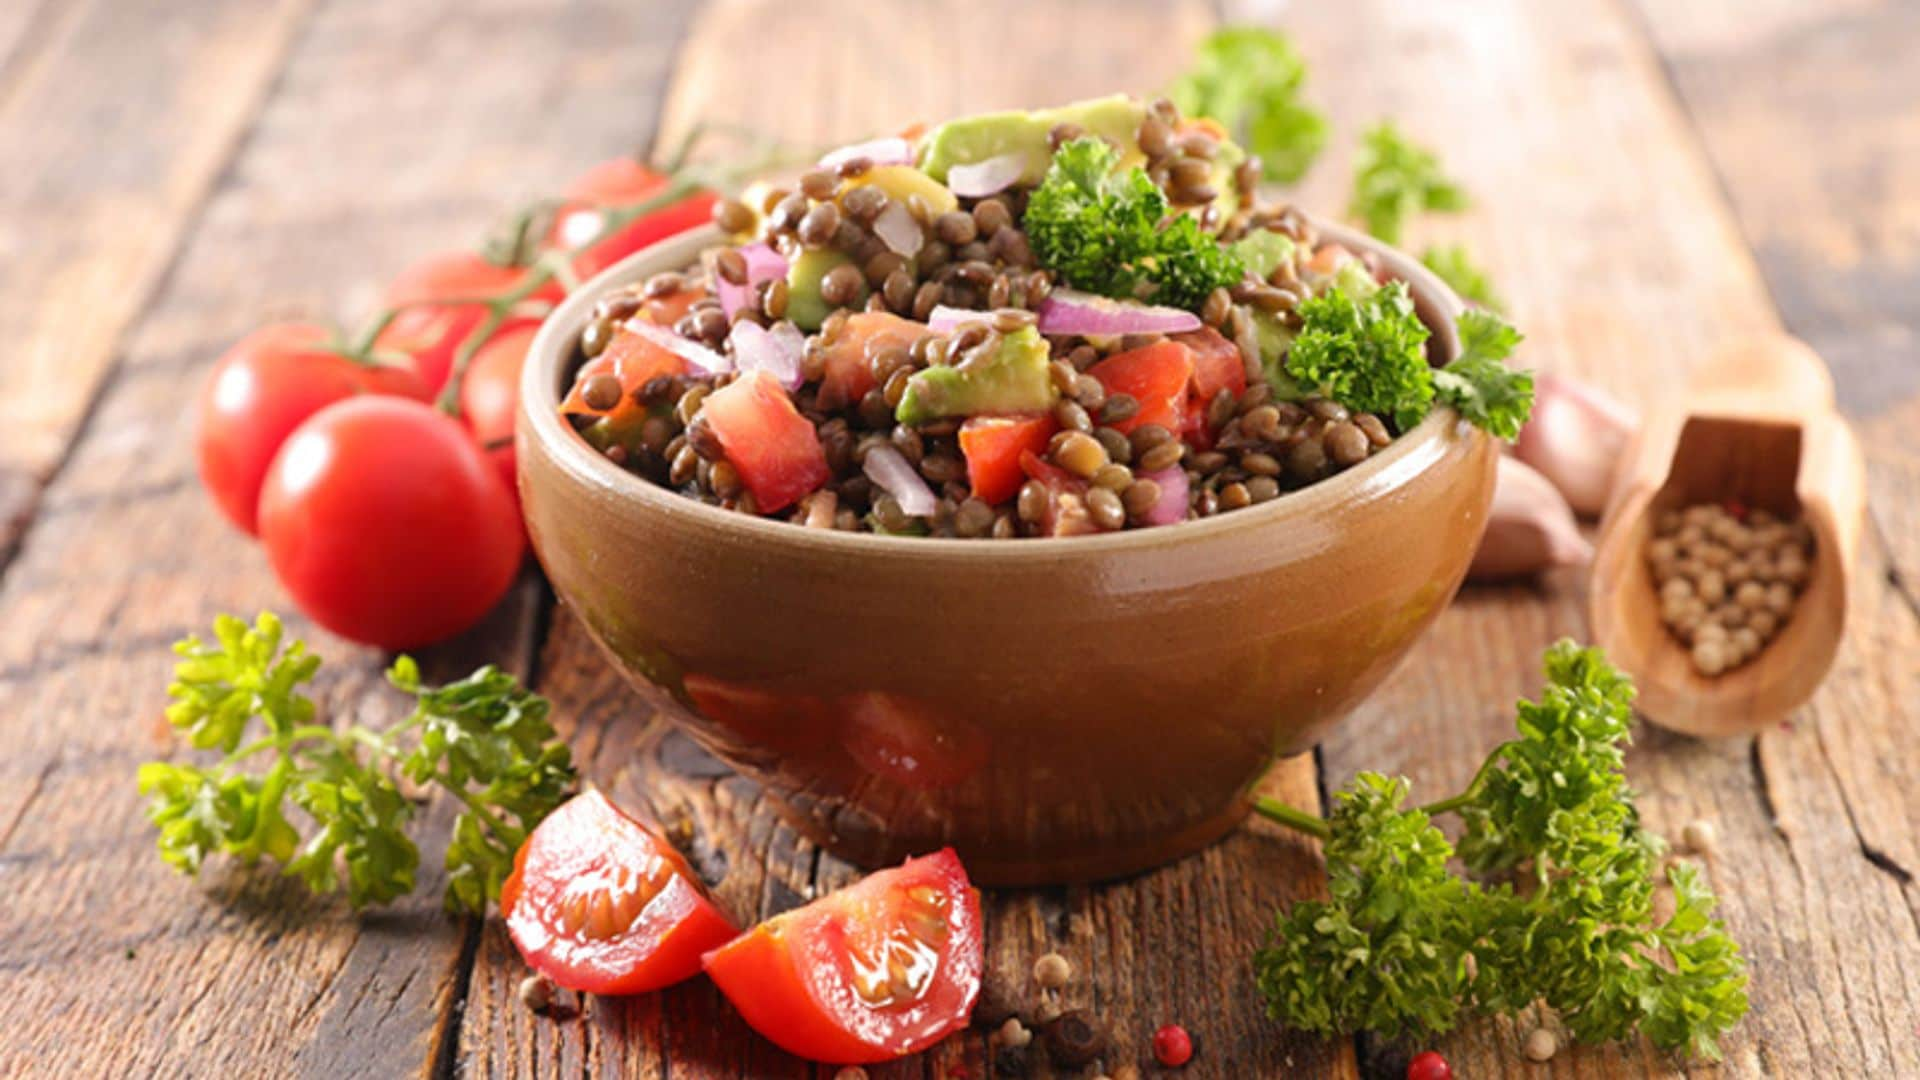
(733,216)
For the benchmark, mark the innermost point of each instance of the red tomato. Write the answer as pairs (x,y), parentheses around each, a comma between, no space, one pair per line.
(1429,1065)
(431,332)
(631,358)
(878,970)
(849,373)
(616,183)
(1193,425)
(910,743)
(767,440)
(992,446)
(1063,488)
(1156,376)
(599,903)
(387,524)
(260,390)
(490,395)
(1216,363)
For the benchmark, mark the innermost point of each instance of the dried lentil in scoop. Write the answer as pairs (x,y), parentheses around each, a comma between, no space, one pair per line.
(1728,578)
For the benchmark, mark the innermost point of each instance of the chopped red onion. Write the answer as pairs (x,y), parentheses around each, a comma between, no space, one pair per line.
(945,320)
(990,177)
(763,264)
(755,348)
(889,469)
(896,228)
(1069,311)
(692,352)
(892,150)
(1172,507)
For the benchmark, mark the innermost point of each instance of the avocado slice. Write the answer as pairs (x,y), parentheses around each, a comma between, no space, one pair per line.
(1009,377)
(1263,250)
(972,139)
(1275,338)
(804,304)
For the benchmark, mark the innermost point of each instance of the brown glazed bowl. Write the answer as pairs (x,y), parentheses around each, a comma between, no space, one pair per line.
(1056,709)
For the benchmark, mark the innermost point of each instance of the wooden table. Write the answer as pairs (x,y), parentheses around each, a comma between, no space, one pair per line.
(1650,178)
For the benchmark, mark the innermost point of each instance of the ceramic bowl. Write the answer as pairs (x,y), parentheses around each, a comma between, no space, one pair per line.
(1056,709)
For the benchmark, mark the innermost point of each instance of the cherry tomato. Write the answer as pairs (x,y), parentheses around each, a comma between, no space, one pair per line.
(1429,1066)
(490,394)
(387,524)
(1156,376)
(599,903)
(992,446)
(1172,1046)
(909,742)
(615,183)
(431,332)
(880,969)
(849,368)
(773,447)
(260,390)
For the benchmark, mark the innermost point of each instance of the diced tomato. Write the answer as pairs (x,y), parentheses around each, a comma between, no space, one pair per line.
(1216,363)
(599,903)
(667,310)
(883,968)
(1193,425)
(612,184)
(849,373)
(1066,513)
(1156,376)
(1327,258)
(992,446)
(774,448)
(911,742)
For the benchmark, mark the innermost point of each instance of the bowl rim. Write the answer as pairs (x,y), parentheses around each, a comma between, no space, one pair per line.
(1406,458)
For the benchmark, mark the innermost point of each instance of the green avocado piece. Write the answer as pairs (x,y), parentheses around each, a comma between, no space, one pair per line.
(804,304)
(1011,377)
(1225,163)
(972,139)
(1263,250)
(1275,339)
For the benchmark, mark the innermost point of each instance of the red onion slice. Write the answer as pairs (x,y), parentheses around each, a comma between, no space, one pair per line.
(892,150)
(1172,507)
(755,348)
(1069,311)
(896,228)
(979,179)
(763,264)
(889,469)
(945,320)
(692,352)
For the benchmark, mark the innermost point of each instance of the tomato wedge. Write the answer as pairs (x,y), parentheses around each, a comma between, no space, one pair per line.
(992,446)
(849,372)
(598,903)
(1156,376)
(880,969)
(767,440)
(615,183)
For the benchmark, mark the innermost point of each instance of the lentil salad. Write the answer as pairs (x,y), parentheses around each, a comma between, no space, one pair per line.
(1061,322)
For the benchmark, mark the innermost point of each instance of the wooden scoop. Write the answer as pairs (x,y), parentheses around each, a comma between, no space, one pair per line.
(1757,424)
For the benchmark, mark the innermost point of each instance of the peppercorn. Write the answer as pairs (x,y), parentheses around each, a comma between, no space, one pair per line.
(1052,971)
(536,992)
(1172,1046)
(1429,1065)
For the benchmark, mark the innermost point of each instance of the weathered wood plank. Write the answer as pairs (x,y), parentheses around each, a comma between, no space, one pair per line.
(115,122)
(392,131)
(1601,219)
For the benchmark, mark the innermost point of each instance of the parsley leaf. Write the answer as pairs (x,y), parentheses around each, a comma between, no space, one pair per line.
(1249,78)
(1455,268)
(1569,922)
(485,740)
(1114,234)
(1367,353)
(1479,383)
(1394,179)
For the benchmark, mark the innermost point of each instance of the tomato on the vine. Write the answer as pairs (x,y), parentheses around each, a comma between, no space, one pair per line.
(442,302)
(614,183)
(387,524)
(490,394)
(260,391)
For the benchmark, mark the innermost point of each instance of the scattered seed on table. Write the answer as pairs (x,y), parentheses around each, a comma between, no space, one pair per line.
(536,992)
(1542,1044)
(1052,971)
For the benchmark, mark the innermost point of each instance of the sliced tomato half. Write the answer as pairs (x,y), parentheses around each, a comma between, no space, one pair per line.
(880,969)
(1156,376)
(599,903)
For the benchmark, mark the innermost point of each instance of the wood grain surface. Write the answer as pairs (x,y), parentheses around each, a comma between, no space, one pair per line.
(1648,179)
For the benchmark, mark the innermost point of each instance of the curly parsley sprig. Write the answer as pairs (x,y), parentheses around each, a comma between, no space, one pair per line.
(1405,944)
(1395,178)
(1250,79)
(485,740)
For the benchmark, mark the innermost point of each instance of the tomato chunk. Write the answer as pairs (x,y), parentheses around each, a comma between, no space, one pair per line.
(1156,376)
(615,183)
(634,360)
(598,903)
(880,969)
(992,446)
(1066,511)
(774,448)
(849,373)
(1216,363)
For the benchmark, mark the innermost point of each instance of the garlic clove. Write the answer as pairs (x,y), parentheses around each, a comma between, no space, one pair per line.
(1530,527)
(1575,439)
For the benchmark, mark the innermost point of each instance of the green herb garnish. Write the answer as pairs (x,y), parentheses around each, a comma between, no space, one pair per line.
(1249,78)
(1114,234)
(1454,267)
(1405,944)
(1479,384)
(1395,179)
(485,740)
